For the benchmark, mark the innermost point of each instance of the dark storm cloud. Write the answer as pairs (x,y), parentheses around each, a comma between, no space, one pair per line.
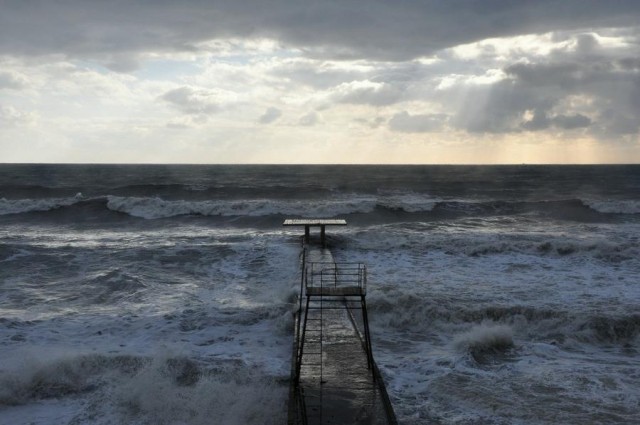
(309,120)
(541,121)
(564,75)
(191,101)
(570,122)
(629,64)
(362,93)
(348,28)
(270,115)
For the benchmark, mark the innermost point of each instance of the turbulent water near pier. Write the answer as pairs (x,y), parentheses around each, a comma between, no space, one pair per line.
(163,294)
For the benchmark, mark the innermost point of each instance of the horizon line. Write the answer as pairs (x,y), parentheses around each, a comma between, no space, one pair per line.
(330,163)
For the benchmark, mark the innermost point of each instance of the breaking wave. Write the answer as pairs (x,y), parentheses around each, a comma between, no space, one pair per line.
(18,206)
(485,339)
(600,249)
(404,205)
(152,208)
(462,238)
(415,309)
(610,329)
(616,207)
(61,376)
(551,325)
(113,286)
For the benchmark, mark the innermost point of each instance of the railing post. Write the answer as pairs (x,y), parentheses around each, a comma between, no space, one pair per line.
(301,348)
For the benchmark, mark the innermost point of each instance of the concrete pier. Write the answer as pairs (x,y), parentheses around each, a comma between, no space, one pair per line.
(333,380)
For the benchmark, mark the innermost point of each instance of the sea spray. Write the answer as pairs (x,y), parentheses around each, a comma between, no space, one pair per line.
(166,389)
(183,392)
(60,374)
(484,340)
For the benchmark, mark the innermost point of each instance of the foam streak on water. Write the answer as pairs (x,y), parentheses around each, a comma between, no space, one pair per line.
(163,294)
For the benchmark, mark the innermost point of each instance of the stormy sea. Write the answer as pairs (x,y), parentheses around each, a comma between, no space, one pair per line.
(163,294)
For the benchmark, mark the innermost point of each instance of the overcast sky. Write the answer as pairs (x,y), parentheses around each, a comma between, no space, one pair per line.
(369,81)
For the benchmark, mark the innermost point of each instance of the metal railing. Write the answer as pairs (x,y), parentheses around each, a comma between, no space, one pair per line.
(329,275)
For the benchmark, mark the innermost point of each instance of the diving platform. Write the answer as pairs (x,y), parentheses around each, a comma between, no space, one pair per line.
(322,223)
(334,378)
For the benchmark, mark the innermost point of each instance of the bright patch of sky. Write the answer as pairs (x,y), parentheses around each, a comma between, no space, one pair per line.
(163,69)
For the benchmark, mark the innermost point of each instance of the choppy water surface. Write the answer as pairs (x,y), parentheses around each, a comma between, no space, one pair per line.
(163,294)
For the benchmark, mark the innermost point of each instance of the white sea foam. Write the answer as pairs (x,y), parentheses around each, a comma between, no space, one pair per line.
(616,206)
(471,238)
(485,337)
(152,208)
(18,206)
(234,395)
(408,202)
